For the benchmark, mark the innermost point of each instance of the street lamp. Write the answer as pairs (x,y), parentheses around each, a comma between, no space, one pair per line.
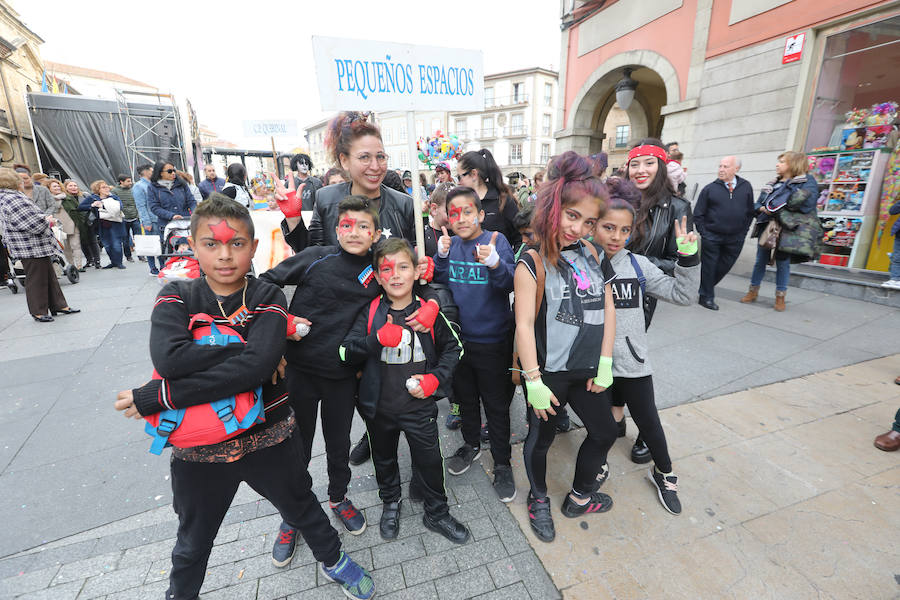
(625,89)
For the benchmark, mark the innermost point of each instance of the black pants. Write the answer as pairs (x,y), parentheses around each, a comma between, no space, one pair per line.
(593,410)
(132,228)
(420,428)
(204,491)
(483,373)
(637,393)
(4,264)
(338,399)
(716,259)
(89,246)
(42,291)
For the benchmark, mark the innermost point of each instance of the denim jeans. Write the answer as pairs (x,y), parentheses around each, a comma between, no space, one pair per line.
(782,269)
(112,241)
(895,259)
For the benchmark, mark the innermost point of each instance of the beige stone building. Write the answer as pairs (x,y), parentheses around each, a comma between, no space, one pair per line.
(20,72)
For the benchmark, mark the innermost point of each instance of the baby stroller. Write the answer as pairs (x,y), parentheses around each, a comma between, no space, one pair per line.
(59,263)
(181,263)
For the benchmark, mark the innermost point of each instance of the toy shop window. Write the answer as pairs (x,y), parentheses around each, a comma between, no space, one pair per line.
(858,70)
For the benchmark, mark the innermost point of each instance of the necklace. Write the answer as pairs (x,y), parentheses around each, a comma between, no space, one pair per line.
(240,315)
(582,278)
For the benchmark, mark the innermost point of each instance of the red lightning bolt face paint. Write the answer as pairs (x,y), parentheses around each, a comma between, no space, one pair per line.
(387,269)
(346,225)
(222,231)
(454,214)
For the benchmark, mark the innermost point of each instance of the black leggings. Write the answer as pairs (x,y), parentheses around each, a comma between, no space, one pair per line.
(637,393)
(338,399)
(593,410)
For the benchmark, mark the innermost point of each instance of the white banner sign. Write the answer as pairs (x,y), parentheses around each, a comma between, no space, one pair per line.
(271,128)
(381,76)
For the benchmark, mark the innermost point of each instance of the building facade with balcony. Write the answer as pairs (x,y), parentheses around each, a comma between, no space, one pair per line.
(315,141)
(518,120)
(21,69)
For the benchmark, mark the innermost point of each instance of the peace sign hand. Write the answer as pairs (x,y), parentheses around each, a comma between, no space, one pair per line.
(487,255)
(684,239)
(289,200)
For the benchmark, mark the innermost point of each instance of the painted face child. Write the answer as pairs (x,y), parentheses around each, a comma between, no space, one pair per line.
(465,216)
(356,231)
(396,274)
(224,247)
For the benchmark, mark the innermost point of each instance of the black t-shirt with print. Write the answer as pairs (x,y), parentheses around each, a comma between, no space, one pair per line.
(397,365)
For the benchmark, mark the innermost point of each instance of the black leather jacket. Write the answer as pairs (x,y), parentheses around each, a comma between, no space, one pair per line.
(659,245)
(396,214)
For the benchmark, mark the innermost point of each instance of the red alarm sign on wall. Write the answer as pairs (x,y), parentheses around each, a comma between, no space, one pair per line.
(793,48)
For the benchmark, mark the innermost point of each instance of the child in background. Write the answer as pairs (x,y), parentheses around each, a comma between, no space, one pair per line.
(269,455)
(565,332)
(478,267)
(403,372)
(523,224)
(632,376)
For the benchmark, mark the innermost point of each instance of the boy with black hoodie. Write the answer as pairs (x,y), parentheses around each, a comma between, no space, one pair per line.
(403,371)
(478,266)
(333,284)
(268,456)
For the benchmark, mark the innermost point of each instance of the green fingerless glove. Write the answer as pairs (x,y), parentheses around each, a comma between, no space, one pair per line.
(604,372)
(538,394)
(686,248)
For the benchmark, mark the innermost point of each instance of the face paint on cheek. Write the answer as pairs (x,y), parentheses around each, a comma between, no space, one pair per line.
(222,231)
(387,269)
(346,225)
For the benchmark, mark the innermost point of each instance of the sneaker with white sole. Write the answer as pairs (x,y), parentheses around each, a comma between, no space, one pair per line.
(504,484)
(460,462)
(285,544)
(666,488)
(355,582)
(353,520)
(891,283)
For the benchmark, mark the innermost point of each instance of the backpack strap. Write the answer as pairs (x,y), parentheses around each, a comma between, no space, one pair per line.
(540,276)
(640,273)
(169,420)
(373,306)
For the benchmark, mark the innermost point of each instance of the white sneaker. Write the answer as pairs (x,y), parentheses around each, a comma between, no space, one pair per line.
(891,283)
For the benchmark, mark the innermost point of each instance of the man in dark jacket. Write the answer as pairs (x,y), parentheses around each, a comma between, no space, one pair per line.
(212,183)
(722,215)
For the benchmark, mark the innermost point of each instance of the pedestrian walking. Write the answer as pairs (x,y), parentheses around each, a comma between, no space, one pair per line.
(722,215)
(107,207)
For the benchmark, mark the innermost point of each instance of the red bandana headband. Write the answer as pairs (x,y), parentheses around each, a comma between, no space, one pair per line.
(648,150)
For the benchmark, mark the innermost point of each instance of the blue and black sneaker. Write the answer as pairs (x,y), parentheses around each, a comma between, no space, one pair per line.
(453,419)
(355,582)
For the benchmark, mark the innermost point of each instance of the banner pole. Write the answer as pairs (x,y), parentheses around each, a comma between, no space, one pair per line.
(416,188)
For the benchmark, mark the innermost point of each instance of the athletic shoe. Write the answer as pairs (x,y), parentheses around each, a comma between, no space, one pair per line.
(640,453)
(361,451)
(620,425)
(285,544)
(460,462)
(598,503)
(154,272)
(454,421)
(448,527)
(355,582)
(602,476)
(485,436)
(891,283)
(563,422)
(353,520)
(666,489)
(504,484)
(130,259)
(540,519)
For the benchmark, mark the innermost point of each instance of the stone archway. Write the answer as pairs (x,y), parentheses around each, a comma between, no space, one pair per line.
(658,86)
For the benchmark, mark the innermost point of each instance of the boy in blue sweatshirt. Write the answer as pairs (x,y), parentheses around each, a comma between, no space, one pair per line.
(478,267)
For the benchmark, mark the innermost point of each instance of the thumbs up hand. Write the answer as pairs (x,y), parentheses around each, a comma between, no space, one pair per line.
(444,243)
(390,335)
(487,255)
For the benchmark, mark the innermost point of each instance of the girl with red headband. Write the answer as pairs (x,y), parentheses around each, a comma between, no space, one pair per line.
(653,234)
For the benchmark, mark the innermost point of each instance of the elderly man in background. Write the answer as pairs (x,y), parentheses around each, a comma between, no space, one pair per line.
(37,193)
(722,215)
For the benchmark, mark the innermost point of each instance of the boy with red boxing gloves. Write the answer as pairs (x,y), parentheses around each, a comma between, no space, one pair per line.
(403,370)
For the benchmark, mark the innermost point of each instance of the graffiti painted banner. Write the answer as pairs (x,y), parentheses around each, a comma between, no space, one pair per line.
(382,76)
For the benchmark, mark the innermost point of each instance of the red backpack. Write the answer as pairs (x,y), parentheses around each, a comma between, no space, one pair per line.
(214,422)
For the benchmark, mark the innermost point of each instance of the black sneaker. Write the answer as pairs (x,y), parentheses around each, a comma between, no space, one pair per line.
(563,422)
(353,520)
(285,543)
(504,484)
(620,425)
(448,527)
(666,489)
(540,518)
(602,476)
(640,453)
(485,436)
(389,526)
(460,462)
(361,451)
(598,503)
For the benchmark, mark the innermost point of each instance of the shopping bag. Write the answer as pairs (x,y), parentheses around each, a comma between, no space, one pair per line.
(147,245)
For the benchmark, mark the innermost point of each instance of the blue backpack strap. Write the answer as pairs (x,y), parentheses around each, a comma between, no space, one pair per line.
(255,414)
(169,420)
(224,409)
(640,274)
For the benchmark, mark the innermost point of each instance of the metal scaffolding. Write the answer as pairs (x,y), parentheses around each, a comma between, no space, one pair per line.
(150,134)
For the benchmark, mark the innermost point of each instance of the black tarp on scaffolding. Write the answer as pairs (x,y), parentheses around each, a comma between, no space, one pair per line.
(83,139)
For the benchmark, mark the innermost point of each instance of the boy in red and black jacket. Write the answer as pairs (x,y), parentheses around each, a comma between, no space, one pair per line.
(402,373)
(269,455)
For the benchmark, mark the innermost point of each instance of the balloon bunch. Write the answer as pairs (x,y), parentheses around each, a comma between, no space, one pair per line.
(439,148)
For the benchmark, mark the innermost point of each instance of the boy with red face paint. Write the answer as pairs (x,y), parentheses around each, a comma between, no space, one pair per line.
(404,372)
(478,266)
(333,284)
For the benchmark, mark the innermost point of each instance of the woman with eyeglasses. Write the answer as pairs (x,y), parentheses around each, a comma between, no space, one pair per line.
(478,170)
(170,196)
(355,144)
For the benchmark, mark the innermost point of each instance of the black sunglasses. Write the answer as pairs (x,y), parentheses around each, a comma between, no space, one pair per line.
(168,170)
